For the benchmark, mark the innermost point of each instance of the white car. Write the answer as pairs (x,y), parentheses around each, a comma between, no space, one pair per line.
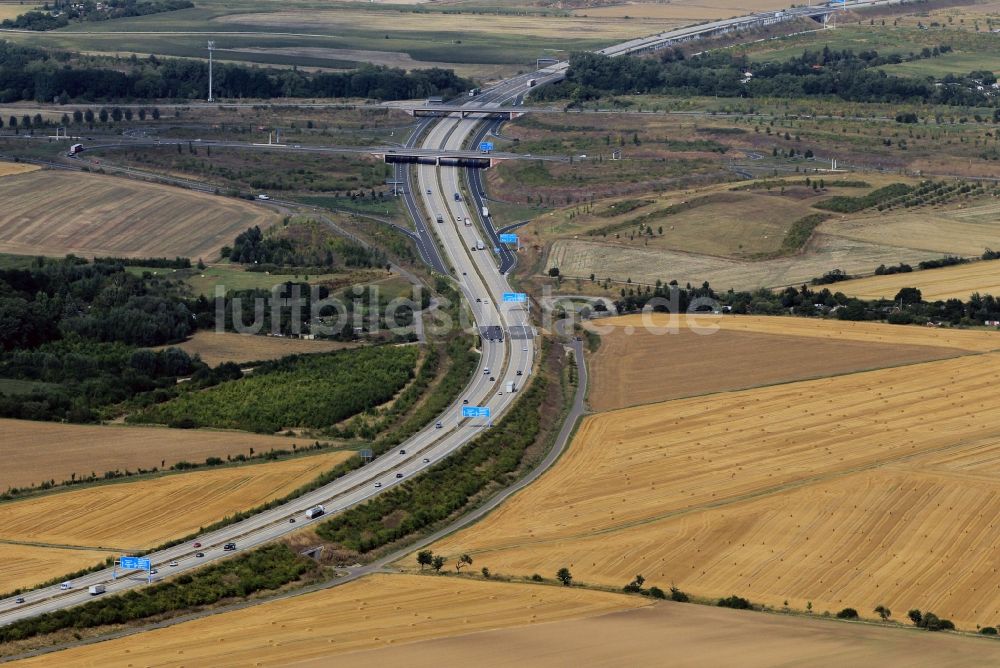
(378,484)
(66,585)
(173,564)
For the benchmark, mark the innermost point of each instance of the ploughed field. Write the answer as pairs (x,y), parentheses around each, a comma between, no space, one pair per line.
(34,452)
(376,611)
(214,348)
(877,487)
(638,365)
(692,637)
(57,213)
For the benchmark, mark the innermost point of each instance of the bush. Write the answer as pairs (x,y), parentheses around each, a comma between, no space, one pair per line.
(679,596)
(737,602)
(988,631)
(656,592)
(847,613)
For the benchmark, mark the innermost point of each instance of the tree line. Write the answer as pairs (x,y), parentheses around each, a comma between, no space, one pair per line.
(31,73)
(839,74)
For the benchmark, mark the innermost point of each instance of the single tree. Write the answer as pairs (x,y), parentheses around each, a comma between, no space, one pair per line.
(464,560)
(438,562)
(486,572)
(564,576)
(915,616)
(425,558)
(883,612)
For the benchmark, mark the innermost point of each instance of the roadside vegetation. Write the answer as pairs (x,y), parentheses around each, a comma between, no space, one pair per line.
(263,569)
(492,460)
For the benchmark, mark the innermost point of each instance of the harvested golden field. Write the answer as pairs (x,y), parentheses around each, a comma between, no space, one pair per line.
(11,168)
(36,451)
(406,24)
(683,11)
(955,231)
(218,347)
(957,282)
(55,213)
(26,565)
(132,516)
(827,490)
(377,611)
(578,258)
(694,636)
(869,332)
(634,365)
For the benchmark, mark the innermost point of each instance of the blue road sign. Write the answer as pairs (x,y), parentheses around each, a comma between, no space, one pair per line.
(475,411)
(486,146)
(508,238)
(135,563)
(515,297)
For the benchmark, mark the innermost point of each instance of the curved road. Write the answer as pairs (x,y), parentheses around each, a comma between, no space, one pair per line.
(478,277)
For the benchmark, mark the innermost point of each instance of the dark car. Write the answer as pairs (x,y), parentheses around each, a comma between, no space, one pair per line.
(291,520)
(229,547)
(465,401)
(492,378)
(399,475)
(200,554)
(197,545)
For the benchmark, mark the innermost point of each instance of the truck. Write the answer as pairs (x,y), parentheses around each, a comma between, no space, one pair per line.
(440,218)
(486,211)
(479,244)
(74,149)
(96,589)
(510,386)
(263,197)
(474,92)
(315,512)
(532,82)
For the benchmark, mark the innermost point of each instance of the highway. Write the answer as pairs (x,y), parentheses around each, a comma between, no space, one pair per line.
(479,277)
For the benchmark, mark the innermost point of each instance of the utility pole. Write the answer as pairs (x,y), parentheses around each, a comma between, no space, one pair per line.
(211,48)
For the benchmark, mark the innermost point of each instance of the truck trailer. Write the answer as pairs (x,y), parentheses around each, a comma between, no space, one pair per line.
(315,512)
(532,82)
(96,589)
(486,211)
(480,245)
(74,149)
(510,386)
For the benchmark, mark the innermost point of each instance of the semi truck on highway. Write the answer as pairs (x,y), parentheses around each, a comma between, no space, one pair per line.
(486,211)
(315,512)
(74,149)
(532,82)
(510,386)
(96,589)
(474,92)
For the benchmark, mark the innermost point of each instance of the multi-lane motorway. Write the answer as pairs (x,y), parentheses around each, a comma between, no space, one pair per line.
(481,278)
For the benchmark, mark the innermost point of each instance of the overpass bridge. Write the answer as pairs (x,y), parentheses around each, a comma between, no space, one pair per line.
(454,158)
(445,110)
